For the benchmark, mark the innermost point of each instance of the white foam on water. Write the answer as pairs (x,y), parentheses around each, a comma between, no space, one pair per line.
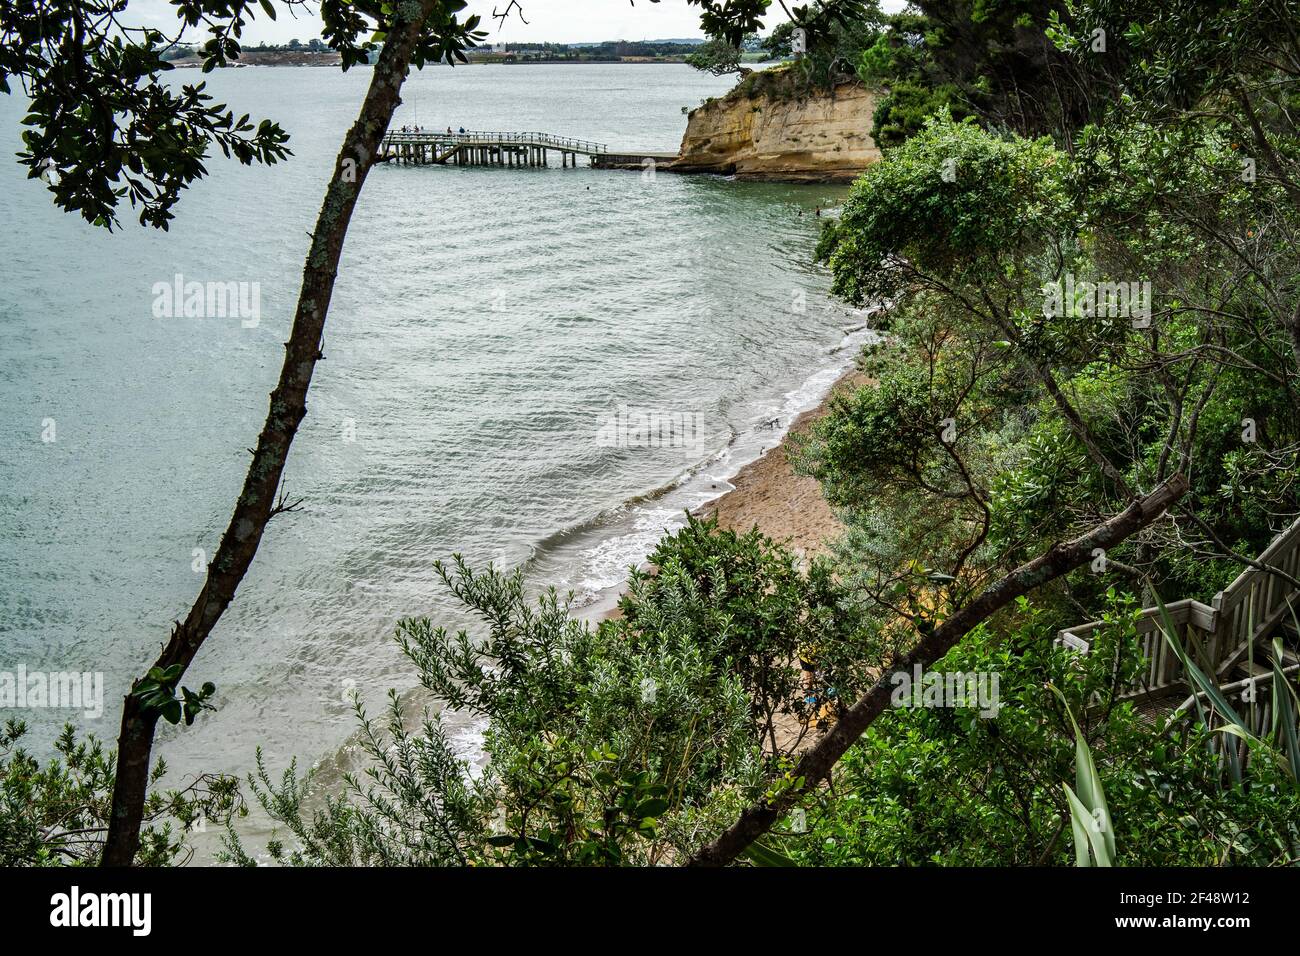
(602,567)
(605,564)
(466,743)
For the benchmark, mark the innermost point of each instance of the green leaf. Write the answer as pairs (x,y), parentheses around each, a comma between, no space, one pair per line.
(653,807)
(1093,833)
(761,855)
(1284,713)
(1091,795)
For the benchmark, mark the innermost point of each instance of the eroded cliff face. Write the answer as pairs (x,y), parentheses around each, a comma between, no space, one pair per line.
(754,134)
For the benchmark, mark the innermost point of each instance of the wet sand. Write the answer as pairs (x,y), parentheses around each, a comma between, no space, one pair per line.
(788,508)
(766,493)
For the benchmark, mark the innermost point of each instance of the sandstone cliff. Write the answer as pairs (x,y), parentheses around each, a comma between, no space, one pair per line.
(765,130)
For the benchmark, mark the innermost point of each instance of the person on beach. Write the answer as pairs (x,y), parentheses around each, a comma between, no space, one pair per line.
(817,697)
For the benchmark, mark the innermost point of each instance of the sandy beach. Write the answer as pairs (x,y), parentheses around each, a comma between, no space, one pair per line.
(766,493)
(788,508)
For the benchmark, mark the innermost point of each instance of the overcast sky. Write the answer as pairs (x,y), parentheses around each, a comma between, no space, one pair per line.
(556,21)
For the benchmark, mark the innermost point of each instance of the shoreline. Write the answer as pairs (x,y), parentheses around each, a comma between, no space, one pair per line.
(767,494)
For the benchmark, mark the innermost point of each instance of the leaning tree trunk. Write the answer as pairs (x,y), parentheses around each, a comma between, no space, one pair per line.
(257,501)
(816,765)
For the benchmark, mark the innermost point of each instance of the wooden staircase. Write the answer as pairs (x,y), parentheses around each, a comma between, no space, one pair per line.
(1229,638)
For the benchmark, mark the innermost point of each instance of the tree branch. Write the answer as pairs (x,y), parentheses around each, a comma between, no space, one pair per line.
(818,762)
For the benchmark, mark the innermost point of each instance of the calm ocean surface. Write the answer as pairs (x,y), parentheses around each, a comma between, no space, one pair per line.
(486,322)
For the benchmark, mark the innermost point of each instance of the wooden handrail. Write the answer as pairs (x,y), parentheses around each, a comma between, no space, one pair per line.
(1275,555)
(1254,603)
(1230,690)
(1181,611)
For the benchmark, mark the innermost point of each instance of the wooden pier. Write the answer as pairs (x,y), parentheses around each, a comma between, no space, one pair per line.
(476,148)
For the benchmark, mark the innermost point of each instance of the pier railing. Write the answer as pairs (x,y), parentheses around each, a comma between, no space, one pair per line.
(500,138)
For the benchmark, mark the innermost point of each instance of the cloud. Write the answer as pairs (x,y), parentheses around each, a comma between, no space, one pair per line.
(549,21)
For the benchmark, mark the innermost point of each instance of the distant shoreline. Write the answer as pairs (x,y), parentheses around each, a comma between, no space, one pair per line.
(284,58)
